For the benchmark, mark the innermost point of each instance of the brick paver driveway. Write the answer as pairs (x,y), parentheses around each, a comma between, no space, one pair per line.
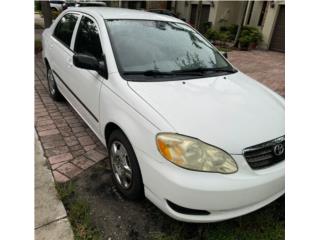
(69,144)
(265,66)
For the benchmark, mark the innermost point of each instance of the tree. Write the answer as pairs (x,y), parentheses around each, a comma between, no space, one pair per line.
(46,12)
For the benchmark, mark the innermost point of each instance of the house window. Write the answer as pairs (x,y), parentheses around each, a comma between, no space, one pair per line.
(263,12)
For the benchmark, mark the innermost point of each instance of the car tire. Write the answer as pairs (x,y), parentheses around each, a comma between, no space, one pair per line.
(52,86)
(126,173)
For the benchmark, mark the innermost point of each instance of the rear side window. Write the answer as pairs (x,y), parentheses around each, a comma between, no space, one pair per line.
(87,40)
(65,27)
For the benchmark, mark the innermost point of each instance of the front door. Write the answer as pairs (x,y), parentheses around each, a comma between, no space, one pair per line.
(86,84)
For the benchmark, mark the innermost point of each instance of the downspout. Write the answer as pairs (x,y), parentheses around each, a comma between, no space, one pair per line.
(236,40)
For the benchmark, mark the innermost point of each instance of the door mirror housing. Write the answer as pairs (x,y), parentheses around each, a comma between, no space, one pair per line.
(90,63)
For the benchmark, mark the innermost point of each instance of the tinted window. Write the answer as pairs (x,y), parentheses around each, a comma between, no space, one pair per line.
(87,40)
(64,28)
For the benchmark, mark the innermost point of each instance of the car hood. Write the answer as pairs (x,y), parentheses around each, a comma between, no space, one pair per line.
(231,112)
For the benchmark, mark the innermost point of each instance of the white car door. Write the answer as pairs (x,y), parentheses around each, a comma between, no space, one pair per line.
(59,49)
(86,84)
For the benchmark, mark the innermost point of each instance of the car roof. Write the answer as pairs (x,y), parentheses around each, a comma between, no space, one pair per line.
(123,13)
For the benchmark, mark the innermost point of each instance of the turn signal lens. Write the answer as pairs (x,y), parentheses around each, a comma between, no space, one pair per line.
(193,154)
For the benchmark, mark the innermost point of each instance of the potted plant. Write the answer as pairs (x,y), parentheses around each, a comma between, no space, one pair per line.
(251,34)
(244,42)
(256,37)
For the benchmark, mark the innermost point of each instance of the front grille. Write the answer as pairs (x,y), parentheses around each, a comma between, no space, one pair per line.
(265,154)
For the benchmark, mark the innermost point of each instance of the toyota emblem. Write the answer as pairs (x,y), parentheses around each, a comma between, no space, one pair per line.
(278,149)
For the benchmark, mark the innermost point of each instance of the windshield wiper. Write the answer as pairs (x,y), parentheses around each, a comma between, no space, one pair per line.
(204,70)
(187,72)
(156,73)
(149,73)
(229,70)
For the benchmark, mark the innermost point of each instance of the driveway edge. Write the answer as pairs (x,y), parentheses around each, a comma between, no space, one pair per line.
(51,221)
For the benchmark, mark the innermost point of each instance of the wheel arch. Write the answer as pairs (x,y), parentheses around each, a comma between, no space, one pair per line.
(46,63)
(109,128)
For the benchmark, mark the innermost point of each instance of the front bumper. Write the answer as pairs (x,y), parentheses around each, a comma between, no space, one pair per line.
(224,196)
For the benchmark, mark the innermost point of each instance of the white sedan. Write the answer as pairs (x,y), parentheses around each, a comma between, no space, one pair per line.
(183,127)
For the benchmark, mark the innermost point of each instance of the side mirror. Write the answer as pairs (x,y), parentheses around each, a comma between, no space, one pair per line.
(90,63)
(86,62)
(225,54)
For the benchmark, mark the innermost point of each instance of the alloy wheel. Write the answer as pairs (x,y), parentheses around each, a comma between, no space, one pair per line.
(51,82)
(121,165)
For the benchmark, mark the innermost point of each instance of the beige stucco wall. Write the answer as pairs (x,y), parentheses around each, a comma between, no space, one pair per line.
(256,11)
(228,10)
(232,12)
(183,10)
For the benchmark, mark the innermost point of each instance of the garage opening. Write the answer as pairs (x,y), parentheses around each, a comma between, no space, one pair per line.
(278,38)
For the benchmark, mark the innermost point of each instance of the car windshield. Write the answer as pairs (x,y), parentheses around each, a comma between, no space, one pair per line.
(163,49)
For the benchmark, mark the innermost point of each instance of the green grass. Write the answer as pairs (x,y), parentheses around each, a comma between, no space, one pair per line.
(78,211)
(265,224)
(259,225)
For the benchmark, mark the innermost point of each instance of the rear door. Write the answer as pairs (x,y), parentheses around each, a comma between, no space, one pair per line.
(59,48)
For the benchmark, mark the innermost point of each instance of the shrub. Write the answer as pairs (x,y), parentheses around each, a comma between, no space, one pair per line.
(231,31)
(206,26)
(245,41)
(249,36)
(253,33)
(212,34)
(224,37)
(223,29)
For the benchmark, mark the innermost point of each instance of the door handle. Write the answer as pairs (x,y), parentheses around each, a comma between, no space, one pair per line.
(69,62)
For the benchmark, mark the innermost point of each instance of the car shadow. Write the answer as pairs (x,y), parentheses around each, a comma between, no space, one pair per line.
(118,218)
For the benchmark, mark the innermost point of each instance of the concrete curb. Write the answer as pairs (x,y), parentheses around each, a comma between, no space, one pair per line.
(51,220)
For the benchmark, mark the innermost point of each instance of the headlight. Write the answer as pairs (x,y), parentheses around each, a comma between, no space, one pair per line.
(193,154)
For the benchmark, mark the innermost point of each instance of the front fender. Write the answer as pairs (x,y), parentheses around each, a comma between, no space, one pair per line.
(119,105)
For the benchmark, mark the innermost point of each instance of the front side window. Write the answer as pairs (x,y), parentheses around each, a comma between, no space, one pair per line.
(65,27)
(87,40)
(168,48)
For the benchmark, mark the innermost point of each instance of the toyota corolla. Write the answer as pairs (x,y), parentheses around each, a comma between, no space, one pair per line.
(184,127)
